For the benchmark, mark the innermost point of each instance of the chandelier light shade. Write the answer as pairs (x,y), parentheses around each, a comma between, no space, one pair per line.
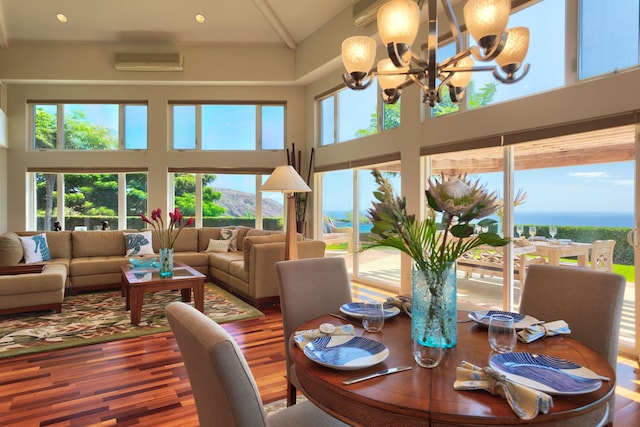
(398,25)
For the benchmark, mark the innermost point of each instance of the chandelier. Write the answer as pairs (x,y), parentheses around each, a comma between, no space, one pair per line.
(398,24)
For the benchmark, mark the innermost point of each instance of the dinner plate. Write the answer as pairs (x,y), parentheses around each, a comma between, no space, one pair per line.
(356,309)
(346,352)
(521,321)
(546,373)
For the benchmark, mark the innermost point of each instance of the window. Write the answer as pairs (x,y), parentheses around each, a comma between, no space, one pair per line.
(239,127)
(608,36)
(92,127)
(89,200)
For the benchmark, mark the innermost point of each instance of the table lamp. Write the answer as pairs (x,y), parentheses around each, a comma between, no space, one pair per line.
(286,180)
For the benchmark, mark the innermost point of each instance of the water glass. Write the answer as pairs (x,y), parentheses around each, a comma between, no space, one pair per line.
(532,232)
(519,230)
(373,317)
(502,333)
(424,355)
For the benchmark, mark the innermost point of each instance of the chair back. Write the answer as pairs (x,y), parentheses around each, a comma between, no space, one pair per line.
(309,288)
(223,387)
(589,301)
(602,255)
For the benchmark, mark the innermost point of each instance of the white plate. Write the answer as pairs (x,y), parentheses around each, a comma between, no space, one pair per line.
(546,373)
(346,352)
(356,309)
(521,320)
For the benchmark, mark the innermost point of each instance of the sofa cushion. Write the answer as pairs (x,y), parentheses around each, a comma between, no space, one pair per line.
(99,243)
(249,241)
(187,241)
(59,242)
(207,233)
(138,243)
(35,248)
(231,236)
(11,251)
(221,261)
(242,233)
(218,245)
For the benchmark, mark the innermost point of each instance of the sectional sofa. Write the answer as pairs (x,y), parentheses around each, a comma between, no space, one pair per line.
(91,260)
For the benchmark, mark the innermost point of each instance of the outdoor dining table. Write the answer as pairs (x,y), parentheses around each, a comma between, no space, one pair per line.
(554,250)
(426,397)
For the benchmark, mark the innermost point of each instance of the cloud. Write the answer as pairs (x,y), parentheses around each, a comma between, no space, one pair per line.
(589,174)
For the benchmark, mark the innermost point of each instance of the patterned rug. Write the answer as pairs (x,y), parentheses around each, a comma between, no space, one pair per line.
(91,318)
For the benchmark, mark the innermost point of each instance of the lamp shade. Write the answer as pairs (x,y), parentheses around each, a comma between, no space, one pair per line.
(398,21)
(516,47)
(358,54)
(390,81)
(461,79)
(285,179)
(486,17)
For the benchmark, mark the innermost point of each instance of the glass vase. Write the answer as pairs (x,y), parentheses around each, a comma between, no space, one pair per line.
(166,262)
(434,301)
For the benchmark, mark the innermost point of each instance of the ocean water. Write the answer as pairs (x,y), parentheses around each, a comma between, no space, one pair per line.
(579,219)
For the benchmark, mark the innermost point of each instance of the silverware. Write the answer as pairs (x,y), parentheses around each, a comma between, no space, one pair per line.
(376,374)
(346,319)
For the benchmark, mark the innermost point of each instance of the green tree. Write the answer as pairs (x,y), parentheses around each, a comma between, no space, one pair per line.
(185,195)
(79,134)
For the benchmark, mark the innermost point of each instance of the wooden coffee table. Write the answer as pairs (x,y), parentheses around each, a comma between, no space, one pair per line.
(136,281)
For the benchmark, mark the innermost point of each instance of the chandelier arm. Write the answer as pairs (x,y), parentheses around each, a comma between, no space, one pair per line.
(490,53)
(510,78)
(432,46)
(453,25)
(354,84)
(454,59)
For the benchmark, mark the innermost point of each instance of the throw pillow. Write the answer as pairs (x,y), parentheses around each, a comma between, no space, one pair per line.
(138,243)
(11,251)
(218,245)
(231,236)
(35,248)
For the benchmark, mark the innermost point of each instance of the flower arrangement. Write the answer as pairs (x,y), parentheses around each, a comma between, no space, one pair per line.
(431,247)
(166,237)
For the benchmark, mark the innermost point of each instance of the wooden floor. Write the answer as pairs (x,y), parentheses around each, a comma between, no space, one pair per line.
(142,381)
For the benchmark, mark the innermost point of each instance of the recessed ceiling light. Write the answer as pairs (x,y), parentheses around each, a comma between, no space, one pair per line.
(61,17)
(199,18)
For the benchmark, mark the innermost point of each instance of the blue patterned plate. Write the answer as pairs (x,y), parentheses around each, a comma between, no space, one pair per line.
(546,373)
(346,352)
(520,320)
(356,309)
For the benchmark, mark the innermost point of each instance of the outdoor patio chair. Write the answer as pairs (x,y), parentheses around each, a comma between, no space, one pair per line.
(589,301)
(309,288)
(224,388)
(602,255)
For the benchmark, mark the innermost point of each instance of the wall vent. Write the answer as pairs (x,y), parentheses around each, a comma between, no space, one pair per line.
(148,62)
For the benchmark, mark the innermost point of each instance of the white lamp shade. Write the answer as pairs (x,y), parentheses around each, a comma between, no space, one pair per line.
(461,79)
(398,21)
(390,81)
(486,17)
(358,54)
(285,179)
(516,47)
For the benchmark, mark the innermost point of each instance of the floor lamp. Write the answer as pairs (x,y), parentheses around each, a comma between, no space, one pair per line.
(285,179)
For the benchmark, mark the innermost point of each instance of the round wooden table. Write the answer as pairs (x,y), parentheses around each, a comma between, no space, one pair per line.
(422,396)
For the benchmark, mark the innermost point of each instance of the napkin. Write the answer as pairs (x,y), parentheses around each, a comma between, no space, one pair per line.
(525,401)
(548,329)
(301,338)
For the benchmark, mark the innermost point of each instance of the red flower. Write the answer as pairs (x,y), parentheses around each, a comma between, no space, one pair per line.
(166,237)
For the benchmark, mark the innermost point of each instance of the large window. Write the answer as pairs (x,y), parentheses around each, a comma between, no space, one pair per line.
(243,127)
(89,200)
(89,126)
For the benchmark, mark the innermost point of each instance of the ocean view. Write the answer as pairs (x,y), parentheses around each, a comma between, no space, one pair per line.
(580,219)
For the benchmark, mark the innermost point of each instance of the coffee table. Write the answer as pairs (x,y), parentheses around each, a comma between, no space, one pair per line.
(136,281)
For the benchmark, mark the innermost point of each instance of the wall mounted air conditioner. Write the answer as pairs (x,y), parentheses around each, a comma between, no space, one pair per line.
(148,62)
(365,11)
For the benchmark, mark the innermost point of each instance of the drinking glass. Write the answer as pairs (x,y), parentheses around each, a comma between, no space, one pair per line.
(553,231)
(502,333)
(532,232)
(427,357)
(373,317)
(520,230)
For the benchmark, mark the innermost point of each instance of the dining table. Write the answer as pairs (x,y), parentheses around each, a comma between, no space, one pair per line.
(426,396)
(556,249)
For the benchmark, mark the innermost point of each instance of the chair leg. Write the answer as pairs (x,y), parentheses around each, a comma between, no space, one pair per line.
(291,394)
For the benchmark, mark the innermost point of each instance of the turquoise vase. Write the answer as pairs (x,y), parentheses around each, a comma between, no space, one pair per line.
(166,262)
(434,299)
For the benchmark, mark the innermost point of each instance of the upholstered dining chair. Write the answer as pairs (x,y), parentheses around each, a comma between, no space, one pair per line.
(223,386)
(309,288)
(602,255)
(589,301)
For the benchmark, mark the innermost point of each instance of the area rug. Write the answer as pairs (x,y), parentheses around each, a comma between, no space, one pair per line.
(90,318)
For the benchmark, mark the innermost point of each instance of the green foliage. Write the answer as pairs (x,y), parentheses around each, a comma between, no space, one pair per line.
(185,195)
(46,130)
(79,134)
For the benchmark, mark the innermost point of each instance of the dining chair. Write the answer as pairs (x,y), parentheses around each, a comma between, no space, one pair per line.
(309,288)
(224,389)
(602,255)
(589,301)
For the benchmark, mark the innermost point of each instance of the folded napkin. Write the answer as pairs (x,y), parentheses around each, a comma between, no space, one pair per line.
(402,302)
(525,402)
(301,338)
(548,329)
